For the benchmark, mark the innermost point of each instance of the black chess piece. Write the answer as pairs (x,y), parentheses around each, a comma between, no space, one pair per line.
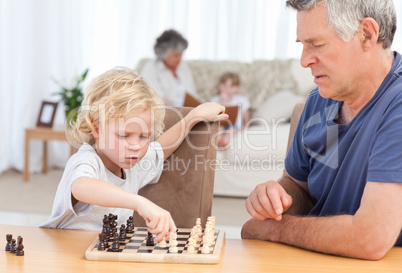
(150,239)
(116,243)
(9,237)
(101,245)
(130,225)
(12,246)
(20,247)
(122,234)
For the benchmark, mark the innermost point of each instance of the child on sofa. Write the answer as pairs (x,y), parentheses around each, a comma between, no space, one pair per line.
(229,87)
(120,117)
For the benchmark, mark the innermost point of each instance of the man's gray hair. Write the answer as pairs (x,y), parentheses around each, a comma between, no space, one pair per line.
(346,15)
(169,41)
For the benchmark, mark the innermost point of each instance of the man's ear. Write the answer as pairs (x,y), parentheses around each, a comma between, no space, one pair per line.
(95,130)
(369,31)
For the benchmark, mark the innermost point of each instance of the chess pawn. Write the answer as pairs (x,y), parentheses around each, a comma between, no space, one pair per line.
(173,243)
(12,246)
(122,234)
(101,245)
(9,237)
(205,249)
(190,240)
(163,243)
(150,239)
(20,247)
(116,243)
(190,249)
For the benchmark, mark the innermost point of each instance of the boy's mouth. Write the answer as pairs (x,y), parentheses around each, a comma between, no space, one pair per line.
(132,158)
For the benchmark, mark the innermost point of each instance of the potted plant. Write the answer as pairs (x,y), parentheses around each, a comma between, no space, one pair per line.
(72,97)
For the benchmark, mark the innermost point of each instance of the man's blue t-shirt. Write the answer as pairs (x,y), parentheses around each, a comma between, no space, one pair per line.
(336,160)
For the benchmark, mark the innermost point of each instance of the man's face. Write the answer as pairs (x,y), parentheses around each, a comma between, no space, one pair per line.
(337,66)
(124,141)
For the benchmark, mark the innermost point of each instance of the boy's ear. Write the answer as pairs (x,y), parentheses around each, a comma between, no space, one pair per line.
(94,130)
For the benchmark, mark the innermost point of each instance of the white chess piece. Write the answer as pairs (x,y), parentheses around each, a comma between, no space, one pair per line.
(173,243)
(205,249)
(190,249)
(163,243)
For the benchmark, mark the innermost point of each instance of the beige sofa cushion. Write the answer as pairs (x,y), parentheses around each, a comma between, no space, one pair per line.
(277,108)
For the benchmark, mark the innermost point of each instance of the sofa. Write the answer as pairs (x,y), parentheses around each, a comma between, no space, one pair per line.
(255,154)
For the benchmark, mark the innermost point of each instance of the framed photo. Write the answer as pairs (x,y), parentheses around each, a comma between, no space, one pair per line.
(46,114)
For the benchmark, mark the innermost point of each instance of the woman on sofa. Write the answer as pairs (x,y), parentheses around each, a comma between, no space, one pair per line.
(170,77)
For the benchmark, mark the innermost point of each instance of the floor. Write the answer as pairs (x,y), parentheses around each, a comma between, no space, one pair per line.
(35,197)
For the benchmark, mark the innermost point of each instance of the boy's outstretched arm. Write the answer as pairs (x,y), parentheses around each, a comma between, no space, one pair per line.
(101,193)
(175,135)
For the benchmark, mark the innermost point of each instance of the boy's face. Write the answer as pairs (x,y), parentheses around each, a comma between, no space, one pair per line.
(228,89)
(124,141)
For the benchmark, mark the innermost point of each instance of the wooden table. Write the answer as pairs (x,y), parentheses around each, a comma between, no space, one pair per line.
(51,250)
(44,134)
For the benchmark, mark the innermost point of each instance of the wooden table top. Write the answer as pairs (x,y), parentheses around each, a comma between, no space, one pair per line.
(52,250)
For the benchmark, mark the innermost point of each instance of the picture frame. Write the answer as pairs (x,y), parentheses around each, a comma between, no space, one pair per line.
(47,114)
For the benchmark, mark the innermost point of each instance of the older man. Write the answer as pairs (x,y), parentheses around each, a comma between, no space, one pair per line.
(342,190)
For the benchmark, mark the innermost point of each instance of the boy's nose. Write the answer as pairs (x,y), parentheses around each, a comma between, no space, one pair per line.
(135,146)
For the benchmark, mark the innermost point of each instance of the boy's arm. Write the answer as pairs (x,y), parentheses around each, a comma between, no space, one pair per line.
(100,193)
(173,137)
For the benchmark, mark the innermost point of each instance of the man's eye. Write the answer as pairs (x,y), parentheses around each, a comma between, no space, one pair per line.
(145,136)
(123,136)
(318,45)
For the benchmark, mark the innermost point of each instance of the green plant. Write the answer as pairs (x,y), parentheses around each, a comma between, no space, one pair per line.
(72,97)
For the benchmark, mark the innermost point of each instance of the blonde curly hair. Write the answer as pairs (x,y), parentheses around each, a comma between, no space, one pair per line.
(114,94)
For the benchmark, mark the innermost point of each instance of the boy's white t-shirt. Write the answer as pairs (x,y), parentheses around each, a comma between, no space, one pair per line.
(236,100)
(87,163)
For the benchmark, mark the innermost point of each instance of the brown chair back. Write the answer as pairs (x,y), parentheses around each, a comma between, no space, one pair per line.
(185,188)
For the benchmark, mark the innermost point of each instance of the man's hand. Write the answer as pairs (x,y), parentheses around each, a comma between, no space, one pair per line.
(268,200)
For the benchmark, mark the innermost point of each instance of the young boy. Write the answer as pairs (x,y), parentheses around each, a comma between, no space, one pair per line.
(229,87)
(119,117)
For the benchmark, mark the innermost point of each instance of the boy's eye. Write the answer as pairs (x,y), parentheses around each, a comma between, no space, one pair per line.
(123,136)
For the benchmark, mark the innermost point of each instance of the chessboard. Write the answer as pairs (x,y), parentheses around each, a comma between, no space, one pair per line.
(134,248)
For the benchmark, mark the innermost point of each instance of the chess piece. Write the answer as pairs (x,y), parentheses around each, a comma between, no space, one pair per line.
(190,249)
(12,246)
(150,239)
(173,243)
(101,245)
(116,243)
(205,247)
(163,243)
(9,237)
(20,247)
(122,234)
(130,225)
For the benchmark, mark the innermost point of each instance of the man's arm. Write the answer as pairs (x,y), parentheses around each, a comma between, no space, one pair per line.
(369,234)
(303,202)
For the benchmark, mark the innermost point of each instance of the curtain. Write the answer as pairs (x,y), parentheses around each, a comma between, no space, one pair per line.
(42,40)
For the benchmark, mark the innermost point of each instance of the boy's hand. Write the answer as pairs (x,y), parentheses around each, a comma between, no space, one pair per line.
(209,111)
(158,220)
